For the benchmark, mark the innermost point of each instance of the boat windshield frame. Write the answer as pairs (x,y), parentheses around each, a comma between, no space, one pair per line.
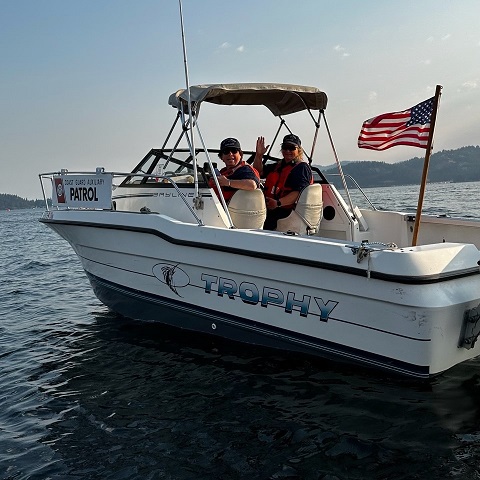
(280,99)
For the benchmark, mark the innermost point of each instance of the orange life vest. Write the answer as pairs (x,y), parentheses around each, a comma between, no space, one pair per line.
(275,182)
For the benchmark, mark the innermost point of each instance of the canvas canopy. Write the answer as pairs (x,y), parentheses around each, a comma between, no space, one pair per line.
(280,99)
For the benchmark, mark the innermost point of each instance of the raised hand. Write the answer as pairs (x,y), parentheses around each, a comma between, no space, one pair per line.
(261,149)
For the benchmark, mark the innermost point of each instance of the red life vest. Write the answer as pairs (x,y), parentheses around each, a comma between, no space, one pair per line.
(275,182)
(229,191)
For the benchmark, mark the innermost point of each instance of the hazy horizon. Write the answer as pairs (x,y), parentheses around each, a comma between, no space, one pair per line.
(86,84)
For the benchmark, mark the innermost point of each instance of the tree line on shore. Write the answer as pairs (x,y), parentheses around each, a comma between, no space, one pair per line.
(14,202)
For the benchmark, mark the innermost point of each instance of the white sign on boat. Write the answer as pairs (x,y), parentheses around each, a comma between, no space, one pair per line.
(82,191)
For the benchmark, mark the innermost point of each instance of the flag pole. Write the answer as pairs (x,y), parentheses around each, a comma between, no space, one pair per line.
(425,165)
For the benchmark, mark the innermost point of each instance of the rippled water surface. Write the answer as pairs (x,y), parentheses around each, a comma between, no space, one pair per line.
(88,395)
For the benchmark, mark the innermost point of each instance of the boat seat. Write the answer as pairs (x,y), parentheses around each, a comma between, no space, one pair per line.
(307,213)
(247,209)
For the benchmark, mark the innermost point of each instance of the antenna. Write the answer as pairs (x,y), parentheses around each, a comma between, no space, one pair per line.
(197,200)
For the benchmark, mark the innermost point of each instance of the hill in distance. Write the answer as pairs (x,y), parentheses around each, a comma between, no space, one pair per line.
(460,165)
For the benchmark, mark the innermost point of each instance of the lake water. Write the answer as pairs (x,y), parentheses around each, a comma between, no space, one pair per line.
(87,395)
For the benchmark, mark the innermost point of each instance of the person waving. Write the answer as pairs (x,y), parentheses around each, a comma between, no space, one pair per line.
(284,180)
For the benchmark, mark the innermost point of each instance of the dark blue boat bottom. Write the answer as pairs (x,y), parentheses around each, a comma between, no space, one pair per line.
(143,306)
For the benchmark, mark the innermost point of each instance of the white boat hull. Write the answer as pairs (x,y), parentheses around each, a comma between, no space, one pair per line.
(402,310)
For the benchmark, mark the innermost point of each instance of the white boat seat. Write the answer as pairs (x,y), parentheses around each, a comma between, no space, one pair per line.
(306,216)
(247,209)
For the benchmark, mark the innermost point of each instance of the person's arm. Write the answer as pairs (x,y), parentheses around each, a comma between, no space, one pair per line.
(260,151)
(289,199)
(286,201)
(243,184)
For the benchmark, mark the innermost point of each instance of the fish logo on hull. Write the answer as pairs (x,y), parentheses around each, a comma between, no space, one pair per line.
(172,276)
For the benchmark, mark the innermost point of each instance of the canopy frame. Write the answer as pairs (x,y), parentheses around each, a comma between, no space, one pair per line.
(280,99)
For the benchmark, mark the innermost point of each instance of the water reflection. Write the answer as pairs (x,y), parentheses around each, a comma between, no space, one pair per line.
(178,404)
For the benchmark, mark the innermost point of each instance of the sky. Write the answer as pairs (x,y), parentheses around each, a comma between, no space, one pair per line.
(86,83)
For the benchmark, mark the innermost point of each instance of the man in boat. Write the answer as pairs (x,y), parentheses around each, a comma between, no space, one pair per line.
(284,180)
(237,174)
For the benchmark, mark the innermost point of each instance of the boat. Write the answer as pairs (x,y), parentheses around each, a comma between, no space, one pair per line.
(336,279)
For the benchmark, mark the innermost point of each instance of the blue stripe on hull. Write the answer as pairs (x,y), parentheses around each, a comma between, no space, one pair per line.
(153,308)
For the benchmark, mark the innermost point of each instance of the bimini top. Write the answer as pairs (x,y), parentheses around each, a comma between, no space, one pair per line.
(280,99)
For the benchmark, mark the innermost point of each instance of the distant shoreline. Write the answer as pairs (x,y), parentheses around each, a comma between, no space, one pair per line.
(447,166)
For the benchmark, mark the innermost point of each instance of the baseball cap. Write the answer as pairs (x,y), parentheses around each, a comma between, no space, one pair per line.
(230,143)
(291,139)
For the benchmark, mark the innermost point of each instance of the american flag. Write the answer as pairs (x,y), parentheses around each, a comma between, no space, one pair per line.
(410,127)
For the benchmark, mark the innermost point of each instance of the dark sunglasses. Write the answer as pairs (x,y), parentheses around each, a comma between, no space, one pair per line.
(290,148)
(226,151)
